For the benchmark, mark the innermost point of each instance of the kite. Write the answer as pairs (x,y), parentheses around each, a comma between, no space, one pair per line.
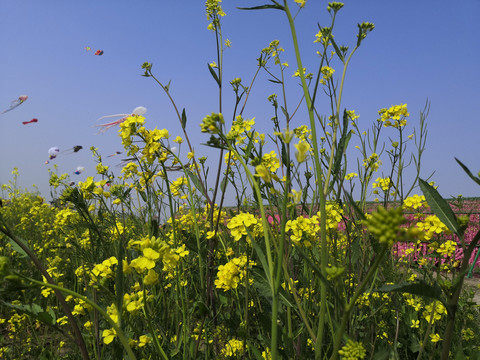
(79,170)
(115,154)
(53,152)
(29,122)
(98,52)
(88,48)
(75,149)
(21,99)
(138,111)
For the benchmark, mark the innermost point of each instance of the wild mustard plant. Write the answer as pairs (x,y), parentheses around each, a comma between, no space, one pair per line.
(155,266)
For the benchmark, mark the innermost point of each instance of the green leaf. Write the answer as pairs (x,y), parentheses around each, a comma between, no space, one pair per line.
(249,148)
(263,7)
(337,50)
(214,74)
(195,180)
(275,81)
(184,119)
(167,87)
(357,210)
(469,173)
(143,195)
(261,257)
(342,144)
(318,273)
(223,184)
(440,207)
(420,288)
(254,350)
(17,248)
(35,311)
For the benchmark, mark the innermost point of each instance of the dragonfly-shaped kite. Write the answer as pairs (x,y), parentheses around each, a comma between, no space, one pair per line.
(17,102)
(140,110)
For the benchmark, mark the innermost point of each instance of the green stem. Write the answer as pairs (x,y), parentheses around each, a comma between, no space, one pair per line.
(351,304)
(270,274)
(119,332)
(78,335)
(337,121)
(453,300)
(319,187)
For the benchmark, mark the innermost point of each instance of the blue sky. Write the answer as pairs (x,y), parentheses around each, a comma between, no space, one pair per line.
(418,50)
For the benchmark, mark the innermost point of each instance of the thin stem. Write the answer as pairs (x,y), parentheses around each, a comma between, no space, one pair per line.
(118,331)
(78,335)
(319,187)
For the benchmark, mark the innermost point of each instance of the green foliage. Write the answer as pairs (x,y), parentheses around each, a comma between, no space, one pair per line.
(152,264)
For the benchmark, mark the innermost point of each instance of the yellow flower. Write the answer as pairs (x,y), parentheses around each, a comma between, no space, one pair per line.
(88,325)
(434,338)
(262,171)
(108,335)
(350,176)
(151,278)
(415,324)
(143,340)
(302,151)
(301,3)
(145,262)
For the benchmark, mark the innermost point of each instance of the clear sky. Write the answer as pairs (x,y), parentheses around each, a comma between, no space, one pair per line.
(419,50)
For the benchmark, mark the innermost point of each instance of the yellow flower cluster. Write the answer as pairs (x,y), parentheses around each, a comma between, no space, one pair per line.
(230,274)
(447,248)
(214,12)
(372,162)
(327,73)
(274,50)
(434,311)
(398,113)
(270,161)
(154,250)
(177,187)
(303,226)
(239,224)
(303,132)
(430,226)
(308,228)
(135,301)
(382,183)
(414,202)
(129,128)
(240,126)
(153,146)
(233,347)
(334,215)
(103,271)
